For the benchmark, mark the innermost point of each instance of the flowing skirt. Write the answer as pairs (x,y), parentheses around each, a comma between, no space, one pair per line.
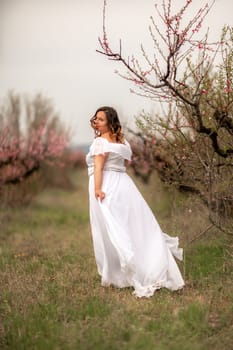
(130,248)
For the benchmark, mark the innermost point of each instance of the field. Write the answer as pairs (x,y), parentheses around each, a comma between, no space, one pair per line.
(51,297)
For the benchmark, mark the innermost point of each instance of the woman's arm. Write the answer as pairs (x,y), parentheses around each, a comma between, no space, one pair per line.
(99,161)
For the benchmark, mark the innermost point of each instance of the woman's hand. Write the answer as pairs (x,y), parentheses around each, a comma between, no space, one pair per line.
(99,194)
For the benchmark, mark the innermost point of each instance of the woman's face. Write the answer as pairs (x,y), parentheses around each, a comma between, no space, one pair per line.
(101,123)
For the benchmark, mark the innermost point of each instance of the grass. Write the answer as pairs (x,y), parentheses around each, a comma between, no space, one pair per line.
(51,297)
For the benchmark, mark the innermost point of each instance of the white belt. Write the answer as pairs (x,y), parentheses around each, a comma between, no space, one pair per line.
(91,172)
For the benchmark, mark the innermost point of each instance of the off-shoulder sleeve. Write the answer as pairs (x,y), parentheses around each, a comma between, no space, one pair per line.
(126,150)
(103,146)
(99,146)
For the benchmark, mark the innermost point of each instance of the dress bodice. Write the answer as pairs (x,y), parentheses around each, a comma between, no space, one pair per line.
(117,153)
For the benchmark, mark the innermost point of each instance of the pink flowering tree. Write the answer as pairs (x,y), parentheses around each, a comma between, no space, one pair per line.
(191,144)
(31,135)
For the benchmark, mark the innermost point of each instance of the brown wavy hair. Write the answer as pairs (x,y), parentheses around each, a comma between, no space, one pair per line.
(113,122)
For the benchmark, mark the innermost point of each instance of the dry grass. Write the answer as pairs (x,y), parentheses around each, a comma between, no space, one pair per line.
(51,297)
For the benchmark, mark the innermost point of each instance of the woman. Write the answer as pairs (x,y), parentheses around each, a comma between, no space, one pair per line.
(129,246)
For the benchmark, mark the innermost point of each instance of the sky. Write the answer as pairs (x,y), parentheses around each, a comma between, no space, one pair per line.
(49,47)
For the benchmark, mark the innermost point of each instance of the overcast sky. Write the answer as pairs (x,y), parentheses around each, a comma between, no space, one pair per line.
(48,46)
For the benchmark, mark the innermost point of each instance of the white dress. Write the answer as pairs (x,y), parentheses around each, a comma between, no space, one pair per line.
(129,245)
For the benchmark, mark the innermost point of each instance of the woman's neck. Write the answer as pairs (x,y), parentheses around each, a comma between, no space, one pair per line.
(107,135)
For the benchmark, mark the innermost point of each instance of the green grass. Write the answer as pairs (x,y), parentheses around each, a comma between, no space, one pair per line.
(51,297)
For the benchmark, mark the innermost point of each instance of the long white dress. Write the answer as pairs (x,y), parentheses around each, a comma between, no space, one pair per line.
(129,245)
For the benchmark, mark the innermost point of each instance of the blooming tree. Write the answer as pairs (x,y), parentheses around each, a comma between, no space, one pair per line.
(191,145)
(30,134)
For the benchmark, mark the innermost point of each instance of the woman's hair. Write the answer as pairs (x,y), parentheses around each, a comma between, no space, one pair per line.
(112,120)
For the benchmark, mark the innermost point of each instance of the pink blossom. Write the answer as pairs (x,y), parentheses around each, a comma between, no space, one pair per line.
(138,82)
(153,141)
(19,154)
(228,87)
